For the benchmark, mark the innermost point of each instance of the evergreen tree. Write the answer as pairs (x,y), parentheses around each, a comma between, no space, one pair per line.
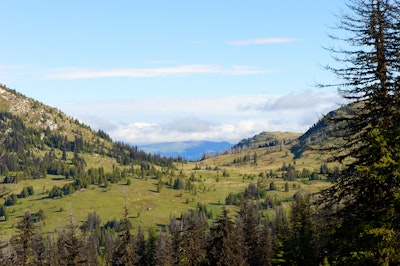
(249,224)
(257,240)
(279,238)
(69,245)
(224,246)
(3,212)
(163,251)
(193,238)
(365,197)
(90,247)
(264,249)
(23,242)
(175,231)
(52,249)
(151,246)
(286,187)
(124,250)
(299,249)
(41,250)
(139,243)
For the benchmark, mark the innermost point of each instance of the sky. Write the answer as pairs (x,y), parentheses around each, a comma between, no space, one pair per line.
(164,71)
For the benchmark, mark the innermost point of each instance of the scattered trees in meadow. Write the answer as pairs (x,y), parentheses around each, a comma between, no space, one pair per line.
(193,239)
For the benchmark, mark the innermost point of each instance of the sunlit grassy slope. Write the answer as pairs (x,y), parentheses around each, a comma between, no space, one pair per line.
(214,177)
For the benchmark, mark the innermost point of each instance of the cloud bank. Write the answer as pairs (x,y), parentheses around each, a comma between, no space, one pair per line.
(154,120)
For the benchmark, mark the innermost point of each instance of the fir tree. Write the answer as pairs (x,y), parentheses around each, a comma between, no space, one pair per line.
(163,252)
(224,246)
(23,242)
(299,243)
(124,250)
(364,199)
(69,245)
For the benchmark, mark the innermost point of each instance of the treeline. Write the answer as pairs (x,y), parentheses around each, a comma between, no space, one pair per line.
(258,193)
(290,172)
(244,238)
(263,140)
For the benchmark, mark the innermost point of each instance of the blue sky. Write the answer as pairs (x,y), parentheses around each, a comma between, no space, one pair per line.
(156,71)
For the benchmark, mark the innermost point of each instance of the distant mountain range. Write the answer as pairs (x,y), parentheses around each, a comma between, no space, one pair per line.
(189,150)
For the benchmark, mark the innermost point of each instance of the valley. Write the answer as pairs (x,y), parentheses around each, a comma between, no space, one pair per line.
(146,187)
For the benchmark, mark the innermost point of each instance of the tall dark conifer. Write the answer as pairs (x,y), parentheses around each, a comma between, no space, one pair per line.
(365,198)
(69,245)
(224,246)
(299,244)
(151,246)
(193,238)
(264,250)
(140,247)
(175,230)
(250,225)
(280,231)
(124,252)
(256,235)
(163,251)
(23,242)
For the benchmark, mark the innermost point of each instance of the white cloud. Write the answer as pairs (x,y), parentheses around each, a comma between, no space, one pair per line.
(144,121)
(262,41)
(188,124)
(184,70)
(298,101)
(142,133)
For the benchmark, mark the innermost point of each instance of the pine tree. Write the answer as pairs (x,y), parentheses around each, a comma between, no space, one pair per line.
(140,248)
(224,246)
(279,237)
(3,212)
(264,249)
(90,247)
(23,242)
(193,238)
(41,251)
(69,245)
(249,226)
(163,250)
(124,251)
(365,198)
(299,243)
(256,236)
(151,246)
(52,249)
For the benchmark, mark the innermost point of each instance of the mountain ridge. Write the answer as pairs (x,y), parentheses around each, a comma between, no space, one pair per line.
(188,150)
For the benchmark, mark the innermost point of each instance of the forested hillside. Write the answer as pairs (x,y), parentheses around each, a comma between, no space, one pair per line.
(33,133)
(325,130)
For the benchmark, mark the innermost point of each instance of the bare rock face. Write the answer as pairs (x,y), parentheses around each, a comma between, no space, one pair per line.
(39,114)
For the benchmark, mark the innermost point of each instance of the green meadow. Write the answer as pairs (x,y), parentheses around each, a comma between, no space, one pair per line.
(212,180)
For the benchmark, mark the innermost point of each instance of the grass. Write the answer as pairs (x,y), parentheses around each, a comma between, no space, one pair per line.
(146,206)
(150,208)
